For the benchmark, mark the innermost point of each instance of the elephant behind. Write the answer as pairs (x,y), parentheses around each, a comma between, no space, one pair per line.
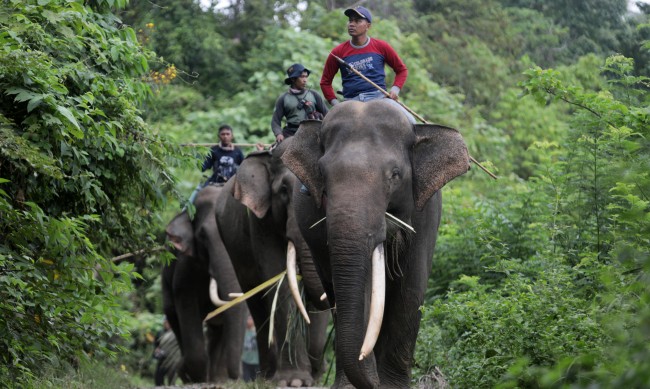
(371,219)
(187,298)
(257,223)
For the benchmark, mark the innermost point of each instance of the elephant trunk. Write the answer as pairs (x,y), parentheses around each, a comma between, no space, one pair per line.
(351,268)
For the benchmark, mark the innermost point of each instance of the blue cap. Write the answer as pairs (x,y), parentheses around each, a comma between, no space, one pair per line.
(359,11)
(295,71)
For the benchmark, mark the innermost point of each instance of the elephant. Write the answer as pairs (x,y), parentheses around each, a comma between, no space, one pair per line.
(257,224)
(192,285)
(370,218)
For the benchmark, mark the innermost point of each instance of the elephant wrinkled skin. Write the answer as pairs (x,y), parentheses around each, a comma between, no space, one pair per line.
(256,221)
(363,161)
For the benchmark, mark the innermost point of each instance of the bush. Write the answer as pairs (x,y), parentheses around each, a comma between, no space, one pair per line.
(475,336)
(81,175)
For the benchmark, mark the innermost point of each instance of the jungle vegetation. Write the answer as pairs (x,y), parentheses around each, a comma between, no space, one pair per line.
(540,278)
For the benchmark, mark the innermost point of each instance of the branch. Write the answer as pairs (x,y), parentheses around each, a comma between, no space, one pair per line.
(128,255)
(552,92)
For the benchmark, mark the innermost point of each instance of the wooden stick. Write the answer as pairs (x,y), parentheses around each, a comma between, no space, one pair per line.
(266,145)
(245,296)
(382,90)
(128,255)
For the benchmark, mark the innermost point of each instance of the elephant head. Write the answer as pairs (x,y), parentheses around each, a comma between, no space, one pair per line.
(363,161)
(180,234)
(265,186)
(261,203)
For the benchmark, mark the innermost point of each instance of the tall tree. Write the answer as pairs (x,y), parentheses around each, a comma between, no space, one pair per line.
(592,24)
(81,176)
(191,38)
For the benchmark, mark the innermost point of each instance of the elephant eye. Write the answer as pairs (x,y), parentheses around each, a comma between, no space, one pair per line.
(396,174)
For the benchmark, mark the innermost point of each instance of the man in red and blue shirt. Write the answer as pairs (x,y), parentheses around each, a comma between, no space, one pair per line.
(368,56)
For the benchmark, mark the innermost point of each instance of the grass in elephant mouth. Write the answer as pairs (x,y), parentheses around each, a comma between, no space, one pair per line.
(391,218)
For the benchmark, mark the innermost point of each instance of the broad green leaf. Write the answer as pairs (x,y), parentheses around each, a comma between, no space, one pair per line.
(68,115)
(35,102)
(21,94)
(52,17)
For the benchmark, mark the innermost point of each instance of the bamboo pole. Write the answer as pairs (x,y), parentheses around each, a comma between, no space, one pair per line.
(245,296)
(382,90)
(266,145)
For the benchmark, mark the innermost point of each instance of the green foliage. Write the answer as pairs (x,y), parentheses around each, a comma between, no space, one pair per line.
(592,24)
(90,125)
(478,232)
(606,151)
(81,175)
(181,33)
(89,374)
(54,289)
(569,249)
(476,335)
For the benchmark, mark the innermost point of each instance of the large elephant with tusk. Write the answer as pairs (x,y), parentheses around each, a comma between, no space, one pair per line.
(371,219)
(197,282)
(256,221)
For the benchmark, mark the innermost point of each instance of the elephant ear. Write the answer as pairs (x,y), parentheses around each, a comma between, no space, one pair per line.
(302,155)
(181,233)
(252,183)
(439,156)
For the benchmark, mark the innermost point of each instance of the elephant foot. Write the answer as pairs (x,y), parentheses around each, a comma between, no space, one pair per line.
(293,378)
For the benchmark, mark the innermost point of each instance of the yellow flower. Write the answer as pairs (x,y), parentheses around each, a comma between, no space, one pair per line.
(149,25)
(122,367)
(56,275)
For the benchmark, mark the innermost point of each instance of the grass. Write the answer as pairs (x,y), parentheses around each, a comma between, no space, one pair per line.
(94,374)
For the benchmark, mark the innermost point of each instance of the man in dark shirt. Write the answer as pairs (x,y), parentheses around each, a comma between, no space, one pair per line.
(296,104)
(224,159)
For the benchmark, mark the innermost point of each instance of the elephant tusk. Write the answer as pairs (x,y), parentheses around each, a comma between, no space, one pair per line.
(323,297)
(214,294)
(293,280)
(377,301)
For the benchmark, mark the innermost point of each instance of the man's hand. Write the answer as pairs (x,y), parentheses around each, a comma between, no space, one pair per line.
(394,93)
(279,138)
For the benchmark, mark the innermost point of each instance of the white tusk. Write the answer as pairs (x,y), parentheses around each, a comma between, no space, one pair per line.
(214,294)
(377,301)
(323,297)
(293,280)
(235,295)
